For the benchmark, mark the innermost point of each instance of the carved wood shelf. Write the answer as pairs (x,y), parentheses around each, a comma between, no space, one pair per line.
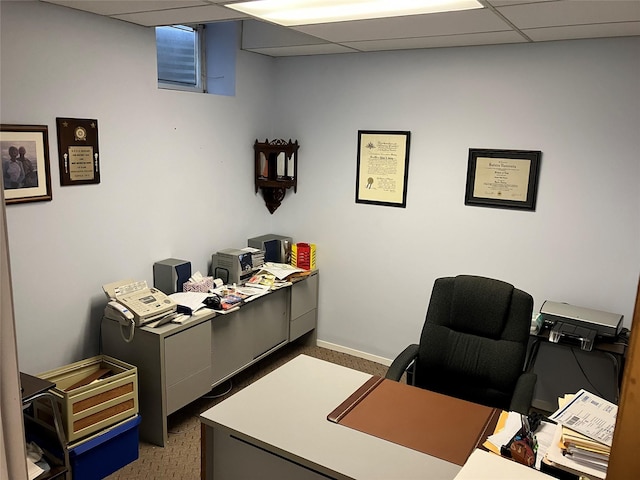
(276,170)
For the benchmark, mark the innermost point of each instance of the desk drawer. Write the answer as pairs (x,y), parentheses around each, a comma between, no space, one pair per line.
(304,295)
(187,357)
(303,324)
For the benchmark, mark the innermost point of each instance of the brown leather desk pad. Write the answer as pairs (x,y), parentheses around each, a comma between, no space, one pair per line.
(429,422)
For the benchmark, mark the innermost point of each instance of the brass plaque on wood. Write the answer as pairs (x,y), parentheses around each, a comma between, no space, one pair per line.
(79,155)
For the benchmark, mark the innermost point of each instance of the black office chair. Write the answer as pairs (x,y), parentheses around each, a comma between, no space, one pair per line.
(473,344)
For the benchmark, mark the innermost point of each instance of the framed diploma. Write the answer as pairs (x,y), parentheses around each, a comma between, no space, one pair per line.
(383,167)
(25,163)
(503,178)
(79,156)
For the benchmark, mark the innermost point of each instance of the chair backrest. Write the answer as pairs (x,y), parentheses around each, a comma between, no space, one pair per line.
(474,340)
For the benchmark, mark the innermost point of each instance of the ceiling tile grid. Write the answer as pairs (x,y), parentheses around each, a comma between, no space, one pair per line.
(500,21)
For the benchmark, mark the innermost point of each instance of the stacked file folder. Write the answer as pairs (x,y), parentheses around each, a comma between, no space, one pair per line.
(584,434)
(585,450)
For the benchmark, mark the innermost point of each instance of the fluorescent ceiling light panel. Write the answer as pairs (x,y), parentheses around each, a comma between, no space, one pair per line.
(307,12)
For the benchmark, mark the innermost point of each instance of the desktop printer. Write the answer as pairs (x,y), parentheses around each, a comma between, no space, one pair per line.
(579,324)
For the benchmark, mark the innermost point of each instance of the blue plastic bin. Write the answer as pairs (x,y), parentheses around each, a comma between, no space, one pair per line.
(103,454)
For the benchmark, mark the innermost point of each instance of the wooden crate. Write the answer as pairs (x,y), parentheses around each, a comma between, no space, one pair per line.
(89,408)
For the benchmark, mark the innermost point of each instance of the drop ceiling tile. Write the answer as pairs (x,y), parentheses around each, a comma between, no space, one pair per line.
(115,7)
(624,29)
(180,16)
(256,34)
(450,23)
(555,14)
(491,38)
(324,49)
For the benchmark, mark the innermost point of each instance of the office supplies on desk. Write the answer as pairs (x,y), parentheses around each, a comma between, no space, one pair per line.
(189,302)
(281,271)
(559,459)
(589,415)
(257,256)
(508,426)
(585,450)
(429,422)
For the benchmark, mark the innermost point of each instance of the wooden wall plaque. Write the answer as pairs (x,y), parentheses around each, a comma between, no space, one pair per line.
(79,155)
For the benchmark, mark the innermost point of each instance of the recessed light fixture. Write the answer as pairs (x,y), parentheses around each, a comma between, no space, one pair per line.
(306,12)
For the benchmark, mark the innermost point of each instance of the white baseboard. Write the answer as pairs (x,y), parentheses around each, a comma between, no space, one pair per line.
(355,353)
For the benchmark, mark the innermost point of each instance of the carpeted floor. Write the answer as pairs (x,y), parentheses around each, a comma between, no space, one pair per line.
(180,458)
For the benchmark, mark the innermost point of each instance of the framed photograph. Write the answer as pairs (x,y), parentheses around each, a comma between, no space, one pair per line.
(25,163)
(383,167)
(503,178)
(78,152)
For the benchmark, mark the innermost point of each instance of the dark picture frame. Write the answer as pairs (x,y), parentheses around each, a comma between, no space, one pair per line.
(26,172)
(383,167)
(78,151)
(503,178)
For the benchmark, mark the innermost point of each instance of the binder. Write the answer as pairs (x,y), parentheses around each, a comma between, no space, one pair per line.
(445,427)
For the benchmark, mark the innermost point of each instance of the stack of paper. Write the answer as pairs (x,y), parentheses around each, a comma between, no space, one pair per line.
(584,433)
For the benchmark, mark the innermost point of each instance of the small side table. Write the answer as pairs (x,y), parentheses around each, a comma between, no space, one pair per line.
(33,388)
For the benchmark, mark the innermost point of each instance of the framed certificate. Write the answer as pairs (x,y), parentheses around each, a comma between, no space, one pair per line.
(383,167)
(503,178)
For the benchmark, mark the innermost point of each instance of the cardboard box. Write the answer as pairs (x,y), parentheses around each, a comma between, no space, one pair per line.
(88,408)
(102,454)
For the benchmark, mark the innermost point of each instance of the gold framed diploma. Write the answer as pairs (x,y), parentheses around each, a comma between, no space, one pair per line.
(383,167)
(79,156)
(503,178)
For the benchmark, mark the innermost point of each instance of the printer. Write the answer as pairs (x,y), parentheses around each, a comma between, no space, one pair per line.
(579,324)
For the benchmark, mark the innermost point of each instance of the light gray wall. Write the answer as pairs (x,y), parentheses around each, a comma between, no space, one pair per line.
(578,102)
(177,175)
(176,170)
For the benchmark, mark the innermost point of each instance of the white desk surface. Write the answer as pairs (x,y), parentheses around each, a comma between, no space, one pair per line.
(483,465)
(286,411)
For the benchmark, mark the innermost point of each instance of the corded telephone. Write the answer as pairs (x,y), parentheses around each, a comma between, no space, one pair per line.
(135,303)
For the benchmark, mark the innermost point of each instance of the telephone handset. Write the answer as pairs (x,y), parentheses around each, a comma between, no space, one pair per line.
(134,302)
(117,311)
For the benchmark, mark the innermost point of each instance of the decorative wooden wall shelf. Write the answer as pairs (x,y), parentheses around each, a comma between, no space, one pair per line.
(276,170)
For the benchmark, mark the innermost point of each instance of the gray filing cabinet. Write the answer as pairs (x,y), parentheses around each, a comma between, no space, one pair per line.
(304,306)
(174,368)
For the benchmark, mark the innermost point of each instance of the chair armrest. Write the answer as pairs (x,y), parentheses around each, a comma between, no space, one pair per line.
(402,362)
(523,393)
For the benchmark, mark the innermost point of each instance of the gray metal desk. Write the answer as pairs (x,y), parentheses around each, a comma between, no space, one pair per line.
(177,364)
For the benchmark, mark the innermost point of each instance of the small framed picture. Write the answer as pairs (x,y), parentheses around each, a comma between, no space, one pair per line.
(25,163)
(503,178)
